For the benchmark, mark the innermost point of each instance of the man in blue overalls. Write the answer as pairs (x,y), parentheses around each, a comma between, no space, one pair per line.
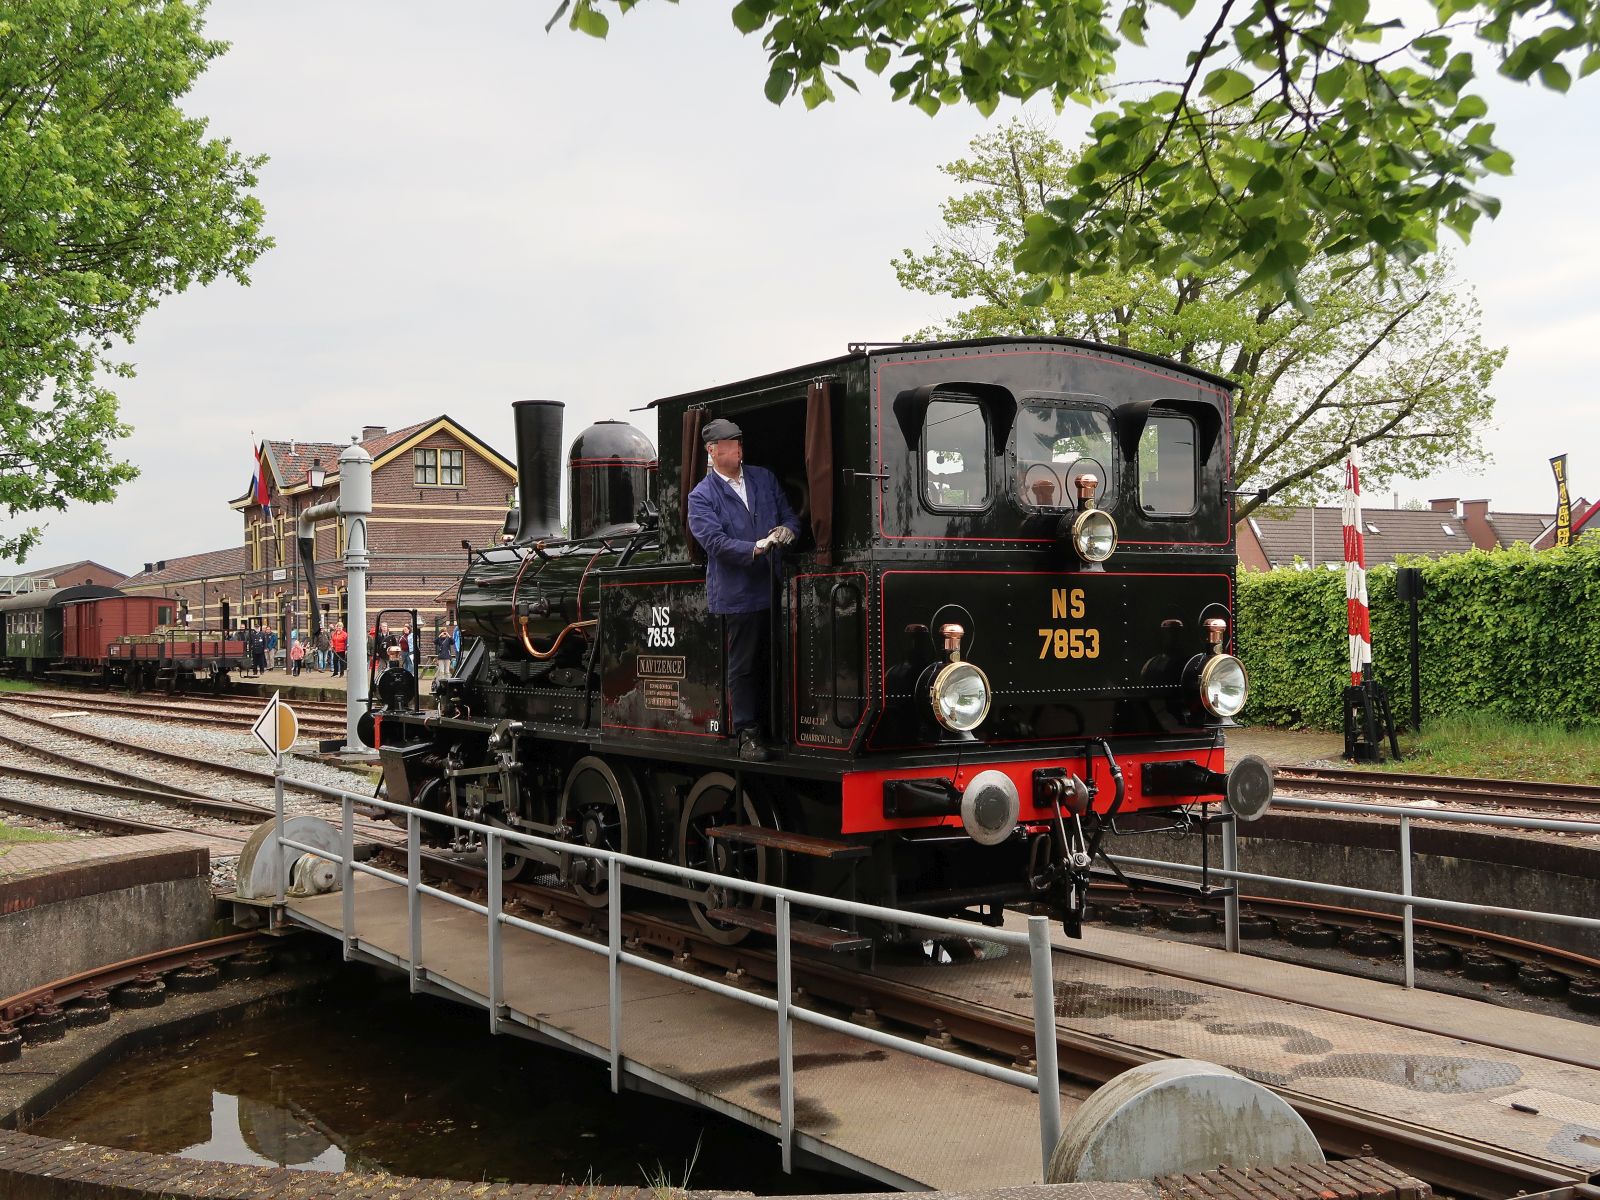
(742,519)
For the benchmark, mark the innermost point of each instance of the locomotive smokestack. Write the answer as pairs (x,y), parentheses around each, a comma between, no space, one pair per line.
(538,469)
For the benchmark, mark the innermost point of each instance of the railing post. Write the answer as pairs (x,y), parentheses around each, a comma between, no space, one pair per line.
(347,875)
(614,967)
(1230,904)
(414,897)
(785,1037)
(1405,890)
(491,864)
(277,817)
(1044,1038)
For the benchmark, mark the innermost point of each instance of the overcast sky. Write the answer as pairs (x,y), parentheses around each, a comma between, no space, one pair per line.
(470,211)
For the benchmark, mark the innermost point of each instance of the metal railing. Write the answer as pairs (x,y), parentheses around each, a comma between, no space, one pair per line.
(1045,1080)
(1406,898)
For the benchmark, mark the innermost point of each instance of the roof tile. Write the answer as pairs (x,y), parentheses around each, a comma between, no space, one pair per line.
(231,560)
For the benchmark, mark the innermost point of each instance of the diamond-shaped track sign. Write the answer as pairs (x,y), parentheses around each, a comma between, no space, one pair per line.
(277,727)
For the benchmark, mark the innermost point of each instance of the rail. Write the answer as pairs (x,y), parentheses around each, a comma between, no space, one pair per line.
(1406,897)
(1045,1079)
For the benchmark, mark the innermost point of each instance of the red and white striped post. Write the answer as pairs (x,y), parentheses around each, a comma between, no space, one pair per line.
(1355,570)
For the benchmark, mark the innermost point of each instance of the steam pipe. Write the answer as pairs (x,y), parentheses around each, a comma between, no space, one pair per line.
(527,642)
(305,536)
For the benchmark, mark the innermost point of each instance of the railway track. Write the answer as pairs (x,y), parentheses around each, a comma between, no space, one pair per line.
(202,702)
(78,818)
(64,991)
(176,793)
(119,807)
(231,717)
(1445,789)
(176,766)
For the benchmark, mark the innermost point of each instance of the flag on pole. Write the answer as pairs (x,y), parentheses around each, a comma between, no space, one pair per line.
(1563,504)
(1355,569)
(258,487)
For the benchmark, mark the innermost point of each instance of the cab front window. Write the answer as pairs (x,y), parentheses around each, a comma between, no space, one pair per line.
(1056,443)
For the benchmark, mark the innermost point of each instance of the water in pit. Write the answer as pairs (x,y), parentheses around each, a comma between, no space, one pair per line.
(366,1077)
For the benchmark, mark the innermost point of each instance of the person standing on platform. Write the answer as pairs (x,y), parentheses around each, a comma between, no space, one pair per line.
(444,649)
(297,653)
(742,519)
(338,646)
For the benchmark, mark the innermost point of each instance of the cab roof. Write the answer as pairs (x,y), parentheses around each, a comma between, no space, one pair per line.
(869,350)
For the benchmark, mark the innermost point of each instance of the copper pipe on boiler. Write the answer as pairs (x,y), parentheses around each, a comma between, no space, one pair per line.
(527,642)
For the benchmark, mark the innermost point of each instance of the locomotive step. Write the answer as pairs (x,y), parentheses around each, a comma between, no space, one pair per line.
(806,933)
(794,843)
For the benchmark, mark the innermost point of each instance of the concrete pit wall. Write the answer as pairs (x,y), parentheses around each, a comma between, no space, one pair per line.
(80,917)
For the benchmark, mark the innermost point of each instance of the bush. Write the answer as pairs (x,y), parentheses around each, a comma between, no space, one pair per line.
(1512,633)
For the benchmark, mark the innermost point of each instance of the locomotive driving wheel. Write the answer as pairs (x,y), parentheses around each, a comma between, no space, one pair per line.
(716,799)
(602,807)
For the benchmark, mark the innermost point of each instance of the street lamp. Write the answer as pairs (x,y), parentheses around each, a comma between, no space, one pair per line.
(315,475)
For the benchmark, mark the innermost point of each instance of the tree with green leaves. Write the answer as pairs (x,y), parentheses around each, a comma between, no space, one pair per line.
(1348,131)
(111,198)
(1402,373)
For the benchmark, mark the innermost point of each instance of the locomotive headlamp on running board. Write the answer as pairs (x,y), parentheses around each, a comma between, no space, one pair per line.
(960,691)
(1224,685)
(1094,531)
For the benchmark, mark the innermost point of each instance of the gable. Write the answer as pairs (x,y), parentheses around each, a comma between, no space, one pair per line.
(451,433)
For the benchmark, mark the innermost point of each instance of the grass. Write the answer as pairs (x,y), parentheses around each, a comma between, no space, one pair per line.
(660,1180)
(10,836)
(16,685)
(1492,748)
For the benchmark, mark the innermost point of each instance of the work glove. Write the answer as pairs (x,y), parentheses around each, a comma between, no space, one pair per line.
(782,535)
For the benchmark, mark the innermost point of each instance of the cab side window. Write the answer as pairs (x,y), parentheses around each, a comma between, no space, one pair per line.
(1168,467)
(955,454)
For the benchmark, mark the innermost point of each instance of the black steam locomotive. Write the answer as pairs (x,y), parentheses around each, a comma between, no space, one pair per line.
(1004,627)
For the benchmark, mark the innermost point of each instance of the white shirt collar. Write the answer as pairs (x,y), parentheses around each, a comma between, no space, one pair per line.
(737,484)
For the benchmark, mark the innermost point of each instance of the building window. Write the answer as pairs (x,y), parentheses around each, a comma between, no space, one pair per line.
(445,468)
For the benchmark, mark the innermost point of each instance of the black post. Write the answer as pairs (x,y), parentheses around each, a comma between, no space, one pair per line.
(1416,672)
(1408,585)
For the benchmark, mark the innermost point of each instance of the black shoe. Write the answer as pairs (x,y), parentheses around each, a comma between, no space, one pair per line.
(752,748)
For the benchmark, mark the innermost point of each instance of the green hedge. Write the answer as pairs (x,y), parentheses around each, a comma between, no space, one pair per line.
(1512,633)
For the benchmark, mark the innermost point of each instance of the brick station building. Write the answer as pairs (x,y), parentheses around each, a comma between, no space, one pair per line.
(434,484)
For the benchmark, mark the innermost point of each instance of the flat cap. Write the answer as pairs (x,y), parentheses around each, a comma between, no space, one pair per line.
(720,430)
